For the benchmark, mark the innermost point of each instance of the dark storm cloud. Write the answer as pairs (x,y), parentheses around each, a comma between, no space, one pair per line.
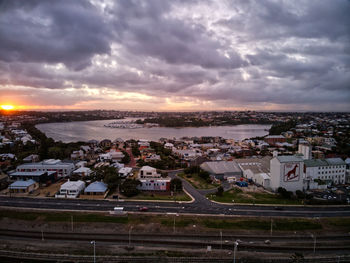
(239,52)
(52,32)
(144,29)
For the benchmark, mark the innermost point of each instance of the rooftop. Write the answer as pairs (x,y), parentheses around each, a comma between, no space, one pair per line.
(335,161)
(221,167)
(288,158)
(315,163)
(99,187)
(22,184)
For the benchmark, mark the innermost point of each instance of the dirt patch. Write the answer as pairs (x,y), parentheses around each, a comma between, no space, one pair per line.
(51,190)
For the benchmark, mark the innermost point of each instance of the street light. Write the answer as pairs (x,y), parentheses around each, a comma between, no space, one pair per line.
(234,251)
(94,243)
(130,235)
(314,238)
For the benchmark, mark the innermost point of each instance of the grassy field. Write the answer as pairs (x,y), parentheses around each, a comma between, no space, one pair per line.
(62,217)
(197,182)
(240,196)
(187,222)
(181,196)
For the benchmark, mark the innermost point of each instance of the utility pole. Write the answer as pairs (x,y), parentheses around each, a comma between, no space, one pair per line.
(314,238)
(221,239)
(234,251)
(174,223)
(94,243)
(72,223)
(271,227)
(130,235)
(42,235)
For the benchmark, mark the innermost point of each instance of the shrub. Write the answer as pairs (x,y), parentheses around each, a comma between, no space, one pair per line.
(220,191)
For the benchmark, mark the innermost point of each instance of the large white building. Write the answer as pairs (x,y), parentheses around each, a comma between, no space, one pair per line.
(331,170)
(305,149)
(62,169)
(287,172)
(152,181)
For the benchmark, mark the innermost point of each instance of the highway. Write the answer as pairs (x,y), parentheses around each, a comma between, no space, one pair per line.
(209,208)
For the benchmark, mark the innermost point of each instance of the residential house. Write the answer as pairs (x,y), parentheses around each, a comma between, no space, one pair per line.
(71,189)
(82,171)
(23,186)
(125,172)
(96,188)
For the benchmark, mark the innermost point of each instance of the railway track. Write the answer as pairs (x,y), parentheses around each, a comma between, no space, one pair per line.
(42,257)
(325,244)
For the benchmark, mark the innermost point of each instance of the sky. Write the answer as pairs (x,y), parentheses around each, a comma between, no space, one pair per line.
(178,55)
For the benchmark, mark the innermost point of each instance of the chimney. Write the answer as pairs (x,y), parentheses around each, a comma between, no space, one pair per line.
(275,153)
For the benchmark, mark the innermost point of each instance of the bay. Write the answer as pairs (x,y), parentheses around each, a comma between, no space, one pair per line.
(89,130)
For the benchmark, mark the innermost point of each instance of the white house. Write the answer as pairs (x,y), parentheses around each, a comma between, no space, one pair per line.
(71,189)
(116,155)
(152,181)
(155,184)
(105,157)
(125,171)
(148,172)
(169,146)
(83,171)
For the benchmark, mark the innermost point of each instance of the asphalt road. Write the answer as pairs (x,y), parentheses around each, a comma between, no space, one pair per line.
(181,208)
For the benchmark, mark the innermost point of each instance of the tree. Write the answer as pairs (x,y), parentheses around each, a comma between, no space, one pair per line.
(176,185)
(284,193)
(300,194)
(220,191)
(204,174)
(109,175)
(129,187)
(135,151)
(126,158)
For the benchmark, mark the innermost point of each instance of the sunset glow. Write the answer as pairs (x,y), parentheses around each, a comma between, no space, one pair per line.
(7,107)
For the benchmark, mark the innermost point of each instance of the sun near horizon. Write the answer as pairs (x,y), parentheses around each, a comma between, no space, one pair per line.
(7,107)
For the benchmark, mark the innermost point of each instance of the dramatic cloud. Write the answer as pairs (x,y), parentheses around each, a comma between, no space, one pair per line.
(176,55)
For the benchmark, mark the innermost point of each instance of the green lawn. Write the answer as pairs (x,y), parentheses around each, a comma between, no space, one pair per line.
(181,196)
(264,224)
(62,217)
(239,196)
(339,222)
(197,182)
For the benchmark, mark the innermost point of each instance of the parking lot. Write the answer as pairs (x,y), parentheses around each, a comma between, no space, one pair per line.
(335,193)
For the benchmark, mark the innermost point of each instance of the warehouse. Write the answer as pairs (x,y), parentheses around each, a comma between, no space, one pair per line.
(222,169)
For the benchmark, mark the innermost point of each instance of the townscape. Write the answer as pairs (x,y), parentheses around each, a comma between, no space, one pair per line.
(306,145)
(302,161)
(174,131)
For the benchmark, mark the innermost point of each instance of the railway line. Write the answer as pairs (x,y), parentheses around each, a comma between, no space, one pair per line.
(325,244)
(8,256)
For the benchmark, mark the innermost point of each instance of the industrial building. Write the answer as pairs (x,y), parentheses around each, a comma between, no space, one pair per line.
(287,172)
(256,169)
(222,169)
(62,169)
(331,170)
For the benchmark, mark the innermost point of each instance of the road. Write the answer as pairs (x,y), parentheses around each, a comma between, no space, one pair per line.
(181,208)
